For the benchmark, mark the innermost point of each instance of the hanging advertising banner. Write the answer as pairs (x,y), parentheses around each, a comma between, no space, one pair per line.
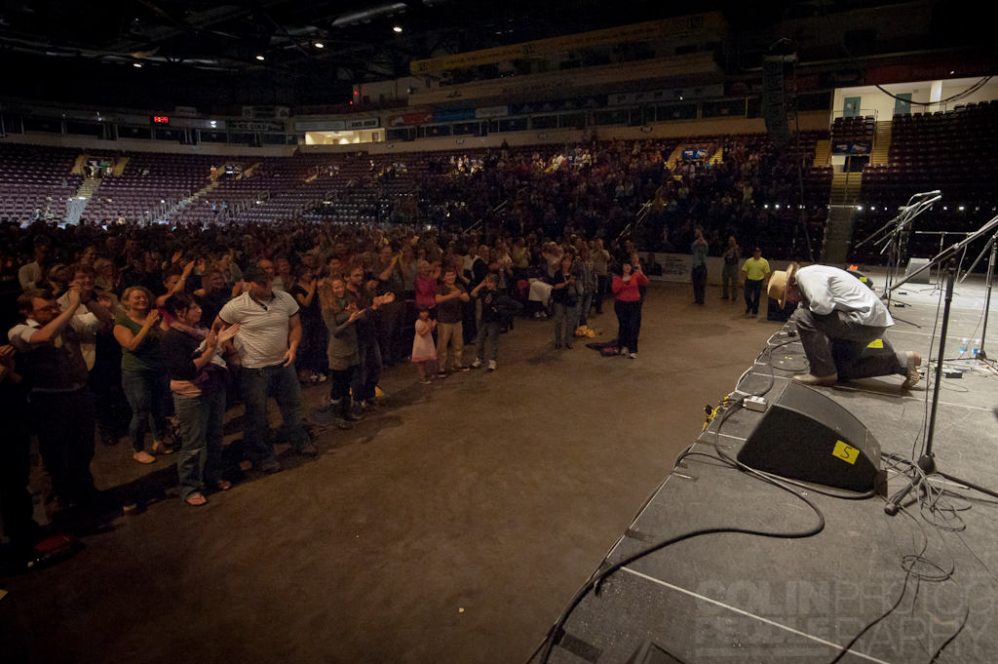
(487,112)
(409,119)
(365,123)
(852,147)
(455,115)
(320,125)
(696,154)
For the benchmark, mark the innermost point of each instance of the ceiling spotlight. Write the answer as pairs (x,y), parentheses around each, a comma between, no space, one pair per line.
(319,45)
(137,65)
(397,29)
(260,58)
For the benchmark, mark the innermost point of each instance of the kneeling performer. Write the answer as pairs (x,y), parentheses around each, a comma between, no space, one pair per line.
(841,323)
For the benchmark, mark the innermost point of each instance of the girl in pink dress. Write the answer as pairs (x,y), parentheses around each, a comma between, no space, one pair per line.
(424,351)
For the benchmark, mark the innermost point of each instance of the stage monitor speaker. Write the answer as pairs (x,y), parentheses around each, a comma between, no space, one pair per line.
(806,436)
(914,264)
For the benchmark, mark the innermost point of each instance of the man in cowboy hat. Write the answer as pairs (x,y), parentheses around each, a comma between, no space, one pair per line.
(841,323)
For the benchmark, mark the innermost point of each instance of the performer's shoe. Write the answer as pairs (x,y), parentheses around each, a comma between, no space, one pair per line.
(809,379)
(911,371)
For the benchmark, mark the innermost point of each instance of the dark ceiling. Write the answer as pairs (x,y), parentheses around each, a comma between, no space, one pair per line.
(205,54)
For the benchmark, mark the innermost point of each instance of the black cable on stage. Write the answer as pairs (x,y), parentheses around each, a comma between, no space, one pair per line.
(873,623)
(939,650)
(595,582)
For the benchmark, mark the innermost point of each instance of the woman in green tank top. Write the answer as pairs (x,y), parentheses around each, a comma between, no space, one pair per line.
(143,377)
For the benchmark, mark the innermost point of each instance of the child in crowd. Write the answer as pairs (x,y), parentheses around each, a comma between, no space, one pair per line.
(487,342)
(424,351)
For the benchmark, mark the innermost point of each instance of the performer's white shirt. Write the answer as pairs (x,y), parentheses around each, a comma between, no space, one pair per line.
(829,289)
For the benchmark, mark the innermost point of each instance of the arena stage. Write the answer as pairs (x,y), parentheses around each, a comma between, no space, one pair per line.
(835,581)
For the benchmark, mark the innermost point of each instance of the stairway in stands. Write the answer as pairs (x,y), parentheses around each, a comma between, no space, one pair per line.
(881,144)
(78,203)
(182,204)
(822,152)
(215,181)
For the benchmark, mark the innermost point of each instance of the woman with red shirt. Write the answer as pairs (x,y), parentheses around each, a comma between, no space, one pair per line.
(627,305)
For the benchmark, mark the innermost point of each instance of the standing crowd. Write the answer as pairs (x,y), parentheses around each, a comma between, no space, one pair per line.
(152,333)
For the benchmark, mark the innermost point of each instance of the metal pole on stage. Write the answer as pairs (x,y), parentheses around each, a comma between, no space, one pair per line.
(927,462)
(993,246)
(942,241)
(895,240)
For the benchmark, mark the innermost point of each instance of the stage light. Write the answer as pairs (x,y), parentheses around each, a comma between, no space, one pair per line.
(777,206)
(397,29)
(260,58)
(319,45)
(137,65)
(859,207)
(766,206)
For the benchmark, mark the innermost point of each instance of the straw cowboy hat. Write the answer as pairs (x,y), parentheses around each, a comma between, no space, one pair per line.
(778,281)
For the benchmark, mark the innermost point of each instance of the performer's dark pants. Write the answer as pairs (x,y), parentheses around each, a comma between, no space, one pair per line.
(836,345)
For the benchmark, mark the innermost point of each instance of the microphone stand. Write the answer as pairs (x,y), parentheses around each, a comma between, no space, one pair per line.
(927,462)
(993,246)
(896,240)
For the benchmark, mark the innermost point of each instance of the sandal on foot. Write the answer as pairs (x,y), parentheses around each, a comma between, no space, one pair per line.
(159,447)
(144,457)
(196,499)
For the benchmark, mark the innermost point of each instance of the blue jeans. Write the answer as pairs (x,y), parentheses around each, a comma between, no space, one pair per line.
(147,393)
(729,281)
(564,316)
(585,304)
(487,343)
(753,292)
(368,373)
(200,459)
(256,386)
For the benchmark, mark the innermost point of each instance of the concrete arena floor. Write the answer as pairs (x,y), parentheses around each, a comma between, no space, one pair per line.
(452,525)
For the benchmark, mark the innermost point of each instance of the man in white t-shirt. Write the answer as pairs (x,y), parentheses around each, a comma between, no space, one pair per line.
(841,323)
(267,341)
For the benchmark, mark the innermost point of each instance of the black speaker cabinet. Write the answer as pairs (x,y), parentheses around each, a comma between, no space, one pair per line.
(806,436)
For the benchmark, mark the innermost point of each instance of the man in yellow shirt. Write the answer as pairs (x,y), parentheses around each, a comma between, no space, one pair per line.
(756,271)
